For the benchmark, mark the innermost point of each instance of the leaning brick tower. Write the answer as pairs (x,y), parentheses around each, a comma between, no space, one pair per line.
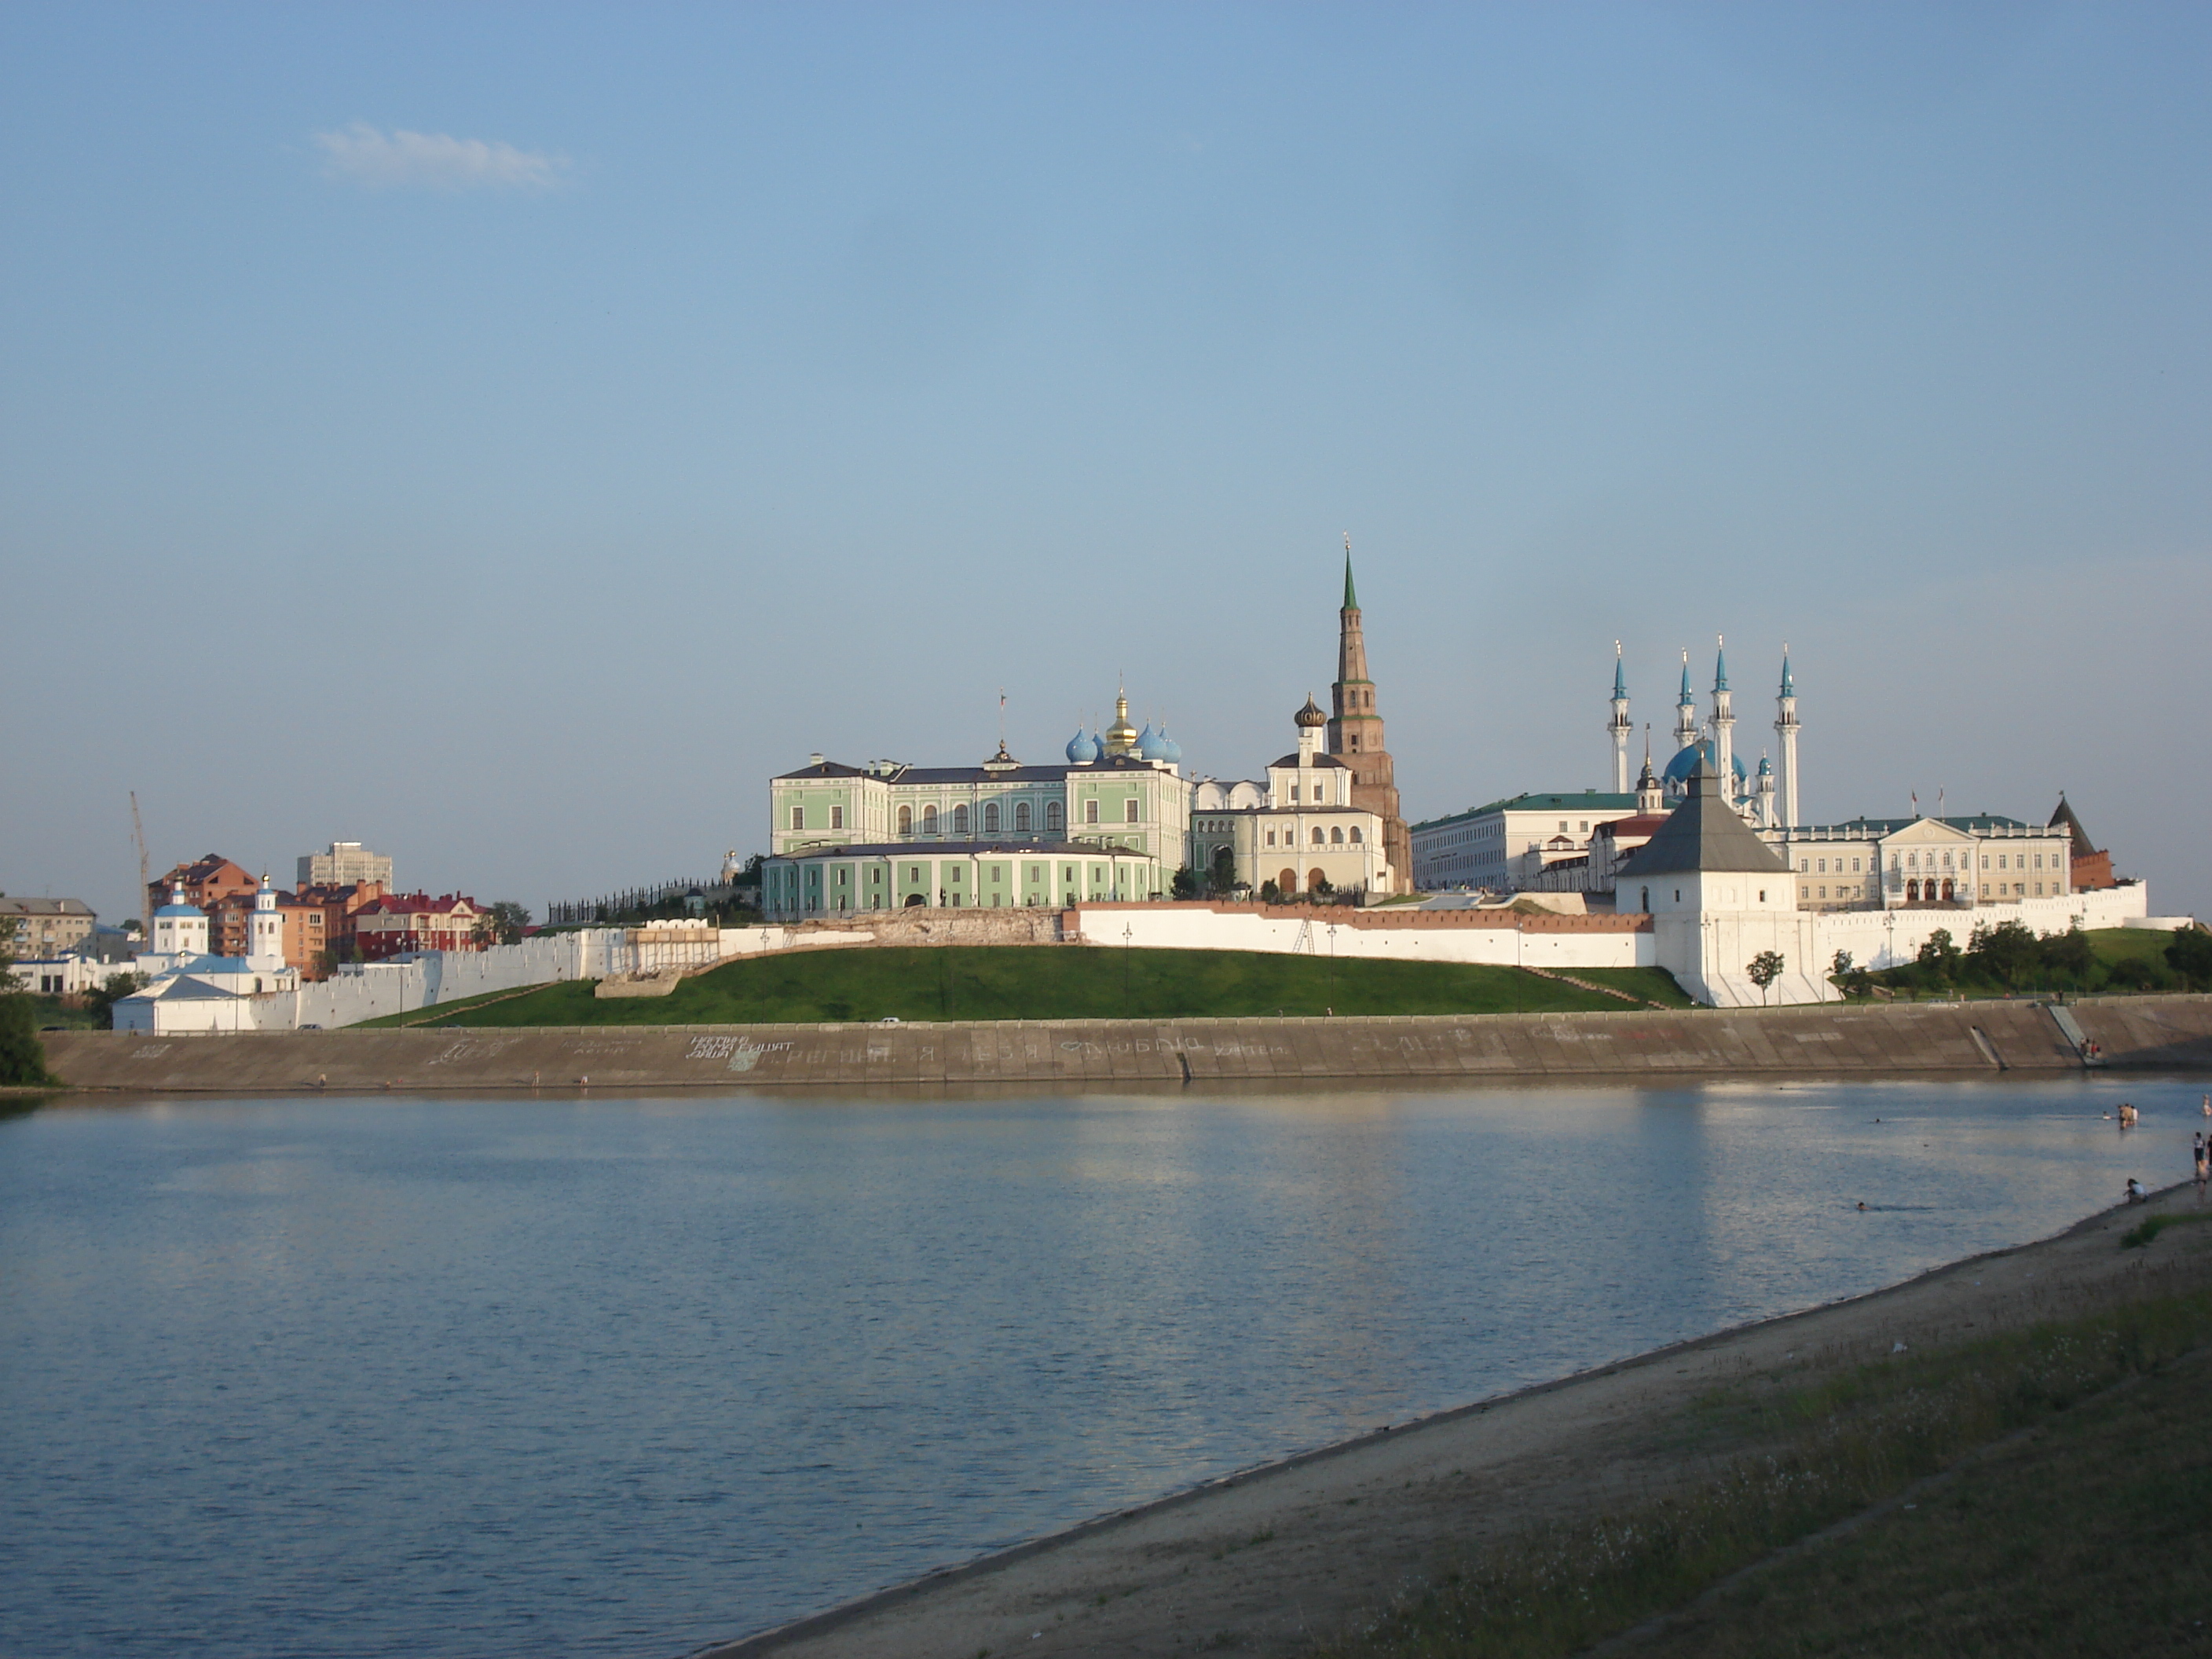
(1355,736)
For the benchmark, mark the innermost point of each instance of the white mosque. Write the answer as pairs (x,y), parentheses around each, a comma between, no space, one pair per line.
(1767,799)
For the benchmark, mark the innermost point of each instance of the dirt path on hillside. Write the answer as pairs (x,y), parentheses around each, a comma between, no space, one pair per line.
(1263,1562)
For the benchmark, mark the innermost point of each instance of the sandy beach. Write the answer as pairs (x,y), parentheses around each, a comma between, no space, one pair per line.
(1267,1561)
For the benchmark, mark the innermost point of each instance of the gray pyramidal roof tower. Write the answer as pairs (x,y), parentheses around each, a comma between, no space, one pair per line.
(1702,832)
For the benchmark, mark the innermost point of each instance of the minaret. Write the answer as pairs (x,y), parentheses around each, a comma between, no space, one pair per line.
(1686,710)
(1650,794)
(1619,725)
(265,937)
(1723,727)
(1785,731)
(1766,811)
(1355,736)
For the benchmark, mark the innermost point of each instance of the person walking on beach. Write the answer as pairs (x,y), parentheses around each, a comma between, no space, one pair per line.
(2200,1157)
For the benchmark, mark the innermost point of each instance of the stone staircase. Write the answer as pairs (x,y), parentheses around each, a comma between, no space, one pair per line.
(1628,997)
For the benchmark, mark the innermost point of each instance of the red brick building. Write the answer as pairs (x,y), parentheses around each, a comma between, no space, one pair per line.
(399,922)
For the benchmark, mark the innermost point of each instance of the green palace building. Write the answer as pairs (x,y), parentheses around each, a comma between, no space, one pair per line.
(1111,823)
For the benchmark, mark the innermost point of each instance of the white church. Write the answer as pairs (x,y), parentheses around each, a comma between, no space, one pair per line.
(190,990)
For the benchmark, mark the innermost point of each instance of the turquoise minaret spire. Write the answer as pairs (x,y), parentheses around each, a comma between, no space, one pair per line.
(1785,732)
(1686,710)
(1724,724)
(1619,725)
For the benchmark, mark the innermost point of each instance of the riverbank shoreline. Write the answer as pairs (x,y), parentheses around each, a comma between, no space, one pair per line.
(1828,1041)
(1277,1557)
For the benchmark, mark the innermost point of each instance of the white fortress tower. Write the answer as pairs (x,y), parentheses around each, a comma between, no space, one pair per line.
(1619,725)
(265,936)
(1686,711)
(1785,732)
(1723,721)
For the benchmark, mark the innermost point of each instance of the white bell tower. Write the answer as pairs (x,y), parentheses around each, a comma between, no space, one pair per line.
(265,937)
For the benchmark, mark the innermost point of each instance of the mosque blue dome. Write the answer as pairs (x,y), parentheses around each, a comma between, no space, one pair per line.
(1685,762)
(1081,749)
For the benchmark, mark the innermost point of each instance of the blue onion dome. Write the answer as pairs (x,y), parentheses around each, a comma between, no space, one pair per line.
(1173,755)
(1765,767)
(1082,748)
(1151,745)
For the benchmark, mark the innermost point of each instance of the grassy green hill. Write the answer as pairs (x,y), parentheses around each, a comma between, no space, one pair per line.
(1052,982)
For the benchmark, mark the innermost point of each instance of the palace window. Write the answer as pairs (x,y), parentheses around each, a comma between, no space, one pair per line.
(1319,840)
(1129,812)
(960,820)
(836,818)
(991,817)
(906,820)
(1021,815)
(1336,835)
(1090,811)
(799,817)
(1271,838)
(1052,815)
(1355,835)
(929,820)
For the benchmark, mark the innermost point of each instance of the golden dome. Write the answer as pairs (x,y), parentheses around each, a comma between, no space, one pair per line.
(1121,737)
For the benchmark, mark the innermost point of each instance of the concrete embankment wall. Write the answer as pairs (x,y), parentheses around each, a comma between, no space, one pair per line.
(1975,1039)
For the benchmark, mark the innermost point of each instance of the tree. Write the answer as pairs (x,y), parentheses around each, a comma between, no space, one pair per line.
(2070,954)
(2189,953)
(502,923)
(22,1056)
(1269,893)
(2008,952)
(1842,964)
(1939,955)
(1765,968)
(112,989)
(1185,884)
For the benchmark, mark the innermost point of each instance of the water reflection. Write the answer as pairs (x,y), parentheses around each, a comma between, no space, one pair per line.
(474,1376)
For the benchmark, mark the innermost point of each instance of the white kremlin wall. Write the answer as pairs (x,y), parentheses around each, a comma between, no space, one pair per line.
(1707,952)
(368,991)
(1604,944)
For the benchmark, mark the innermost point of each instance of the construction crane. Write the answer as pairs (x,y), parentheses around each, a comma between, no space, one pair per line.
(145,890)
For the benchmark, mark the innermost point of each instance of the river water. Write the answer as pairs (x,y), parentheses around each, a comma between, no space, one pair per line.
(622,1377)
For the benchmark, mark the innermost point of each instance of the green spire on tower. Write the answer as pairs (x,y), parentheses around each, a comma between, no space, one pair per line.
(1350,595)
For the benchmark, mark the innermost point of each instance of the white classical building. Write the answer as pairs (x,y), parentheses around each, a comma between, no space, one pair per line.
(1297,831)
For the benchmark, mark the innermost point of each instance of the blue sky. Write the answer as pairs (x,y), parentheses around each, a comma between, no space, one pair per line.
(508,436)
